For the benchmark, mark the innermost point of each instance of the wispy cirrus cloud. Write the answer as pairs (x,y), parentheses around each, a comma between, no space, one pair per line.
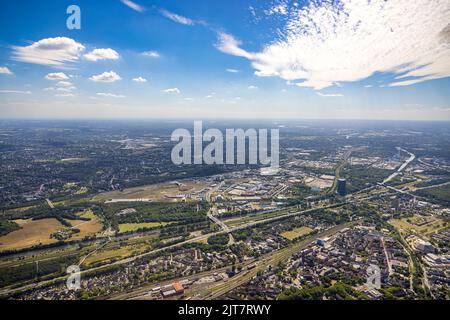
(151,54)
(414,81)
(280,8)
(65,95)
(329,94)
(15,91)
(327,42)
(109,95)
(177,18)
(133,5)
(230,45)
(63,89)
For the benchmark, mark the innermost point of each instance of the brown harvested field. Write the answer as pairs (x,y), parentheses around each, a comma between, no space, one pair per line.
(154,192)
(296,233)
(31,233)
(87,228)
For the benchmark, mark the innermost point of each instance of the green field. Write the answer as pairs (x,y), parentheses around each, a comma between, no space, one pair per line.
(439,194)
(88,214)
(127,227)
(419,225)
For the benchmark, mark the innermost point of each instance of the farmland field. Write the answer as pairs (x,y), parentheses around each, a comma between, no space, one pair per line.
(115,251)
(126,227)
(32,232)
(87,228)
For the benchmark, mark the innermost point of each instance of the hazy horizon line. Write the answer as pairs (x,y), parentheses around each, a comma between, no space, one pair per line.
(211,119)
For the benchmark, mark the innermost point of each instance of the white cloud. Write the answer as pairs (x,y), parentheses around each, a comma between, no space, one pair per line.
(56,76)
(281,9)
(64,84)
(65,89)
(110,95)
(107,77)
(5,70)
(56,52)
(102,54)
(328,42)
(235,100)
(329,94)
(230,45)
(188,99)
(232,70)
(140,79)
(151,54)
(177,18)
(414,81)
(172,90)
(65,95)
(252,87)
(15,91)
(133,5)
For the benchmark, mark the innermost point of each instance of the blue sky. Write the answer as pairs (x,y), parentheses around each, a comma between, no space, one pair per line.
(226,59)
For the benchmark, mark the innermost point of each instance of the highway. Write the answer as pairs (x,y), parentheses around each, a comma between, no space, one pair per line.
(220,223)
(338,169)
(440,167)
(50,204)
(433,186)
(211,213)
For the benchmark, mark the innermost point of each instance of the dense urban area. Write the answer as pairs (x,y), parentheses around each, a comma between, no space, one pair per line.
(105,196)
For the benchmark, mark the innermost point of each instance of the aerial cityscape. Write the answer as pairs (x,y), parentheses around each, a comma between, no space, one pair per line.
(244,150)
